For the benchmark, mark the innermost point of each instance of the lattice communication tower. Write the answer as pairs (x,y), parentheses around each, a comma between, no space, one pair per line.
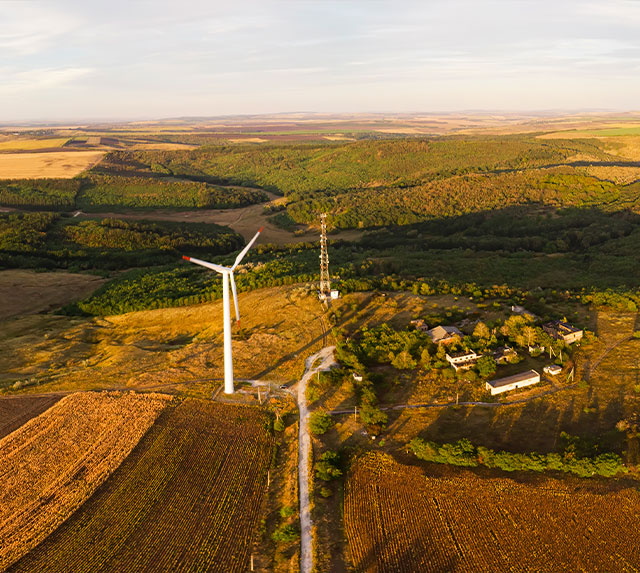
(325,282)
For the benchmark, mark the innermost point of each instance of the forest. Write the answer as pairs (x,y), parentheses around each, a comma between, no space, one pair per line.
(50,240)
(397,182)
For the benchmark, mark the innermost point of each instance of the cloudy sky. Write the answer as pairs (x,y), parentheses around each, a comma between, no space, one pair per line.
(140,59)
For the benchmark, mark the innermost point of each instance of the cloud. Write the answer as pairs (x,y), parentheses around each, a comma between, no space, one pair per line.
(12,81)
(30,27)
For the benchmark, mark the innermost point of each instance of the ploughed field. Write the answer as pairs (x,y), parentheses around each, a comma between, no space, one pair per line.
(398,519)
(51,464)
(188,498)
(18,410)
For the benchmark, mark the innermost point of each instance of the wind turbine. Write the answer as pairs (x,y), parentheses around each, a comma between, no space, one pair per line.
(227,273)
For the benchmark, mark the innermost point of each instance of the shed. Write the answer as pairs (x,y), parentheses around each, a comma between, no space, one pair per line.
(508,383)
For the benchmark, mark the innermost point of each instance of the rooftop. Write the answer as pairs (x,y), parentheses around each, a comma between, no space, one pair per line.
(521,377)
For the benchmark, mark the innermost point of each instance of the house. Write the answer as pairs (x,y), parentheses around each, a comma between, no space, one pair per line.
(420,325)
(504,354)
(444,334)
(552,369)
(521,380)
(357,377)
(563,331)
(462,360)
(335,294)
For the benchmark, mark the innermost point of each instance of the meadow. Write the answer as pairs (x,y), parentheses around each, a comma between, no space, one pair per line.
(56,164)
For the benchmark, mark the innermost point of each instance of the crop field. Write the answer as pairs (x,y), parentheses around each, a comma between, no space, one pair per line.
(399,519)
(187,499)
(58,164)
(53,463)
(16,411)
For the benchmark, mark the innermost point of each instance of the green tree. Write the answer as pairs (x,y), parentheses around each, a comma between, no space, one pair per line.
(320,422)
(486,366)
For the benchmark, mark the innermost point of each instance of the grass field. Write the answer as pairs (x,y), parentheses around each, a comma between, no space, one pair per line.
(187,499)
(16,411)
(400,519)
(58,164)
(32,144)
(53,463)
(27,292)
(280,327)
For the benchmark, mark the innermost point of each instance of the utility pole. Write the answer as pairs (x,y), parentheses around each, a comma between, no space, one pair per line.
(325,282)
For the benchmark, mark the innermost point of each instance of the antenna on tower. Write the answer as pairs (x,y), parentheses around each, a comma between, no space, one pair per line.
(325,282)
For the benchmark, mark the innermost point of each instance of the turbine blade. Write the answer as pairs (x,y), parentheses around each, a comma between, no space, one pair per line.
(235,297)
(211,266)
(243,252)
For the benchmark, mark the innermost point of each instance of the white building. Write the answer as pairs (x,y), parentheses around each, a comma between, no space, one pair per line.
(462,360)
(521,380)
(552,369)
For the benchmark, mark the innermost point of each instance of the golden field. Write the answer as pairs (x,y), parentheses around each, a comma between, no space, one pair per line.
(56,164)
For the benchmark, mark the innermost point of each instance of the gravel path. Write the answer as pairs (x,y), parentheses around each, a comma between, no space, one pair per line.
(325,356)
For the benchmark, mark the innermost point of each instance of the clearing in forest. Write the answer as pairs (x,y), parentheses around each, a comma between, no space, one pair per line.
(188,498)
(53,463)
(397,519)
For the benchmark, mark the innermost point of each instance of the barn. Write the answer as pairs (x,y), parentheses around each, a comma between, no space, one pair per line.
(520,380)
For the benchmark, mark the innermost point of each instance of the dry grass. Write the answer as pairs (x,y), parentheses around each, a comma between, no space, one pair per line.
(31,144)
(54,462)
(617,174)
(280,328)
(61,164)
(399,519)
(26,292)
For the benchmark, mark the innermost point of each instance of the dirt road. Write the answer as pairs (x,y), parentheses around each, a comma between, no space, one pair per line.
(322,360)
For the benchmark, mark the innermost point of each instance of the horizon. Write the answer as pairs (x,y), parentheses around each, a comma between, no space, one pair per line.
(65,61)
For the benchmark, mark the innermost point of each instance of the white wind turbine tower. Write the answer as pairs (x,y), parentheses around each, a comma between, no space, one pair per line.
(227,273)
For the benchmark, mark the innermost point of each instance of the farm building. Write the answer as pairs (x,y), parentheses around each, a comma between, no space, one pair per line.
(563,331)
(444,334)
(420,324)
(521,380)
(462,360)
(517,309)
(504,354)
(552,369)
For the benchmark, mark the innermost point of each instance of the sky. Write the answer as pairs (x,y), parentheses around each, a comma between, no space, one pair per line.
(137,59)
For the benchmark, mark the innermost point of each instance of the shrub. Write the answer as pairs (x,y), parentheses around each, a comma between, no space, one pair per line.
(320,422)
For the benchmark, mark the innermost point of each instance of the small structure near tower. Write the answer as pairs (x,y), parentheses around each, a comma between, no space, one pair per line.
(325,292)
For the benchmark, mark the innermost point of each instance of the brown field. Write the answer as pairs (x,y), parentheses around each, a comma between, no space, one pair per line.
(26,292)
(188,498)
(17,410)
(280,328)
(60,164)
(401,519)
(53,463)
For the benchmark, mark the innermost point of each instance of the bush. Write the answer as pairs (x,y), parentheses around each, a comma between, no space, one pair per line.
(287,511)
(286,533)
(320,423)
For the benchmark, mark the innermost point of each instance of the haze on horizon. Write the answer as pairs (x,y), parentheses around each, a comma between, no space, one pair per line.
(72,60)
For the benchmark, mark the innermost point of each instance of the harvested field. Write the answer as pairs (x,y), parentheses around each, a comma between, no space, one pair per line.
(59,164)
(14,412)
(53,463)
(187,499)
(28,292)
(398,519)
